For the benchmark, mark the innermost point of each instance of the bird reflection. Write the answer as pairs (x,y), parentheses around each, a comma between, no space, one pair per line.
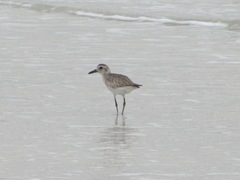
(116,142)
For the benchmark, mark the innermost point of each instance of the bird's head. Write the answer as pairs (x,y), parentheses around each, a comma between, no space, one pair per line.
(102,69)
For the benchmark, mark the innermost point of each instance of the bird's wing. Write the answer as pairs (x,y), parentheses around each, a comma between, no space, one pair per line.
(118,80)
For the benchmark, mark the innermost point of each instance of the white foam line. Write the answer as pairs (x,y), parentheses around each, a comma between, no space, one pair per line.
(102,16)
(148,19)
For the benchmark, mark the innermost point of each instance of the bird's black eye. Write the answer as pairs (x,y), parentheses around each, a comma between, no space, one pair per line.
(100,67)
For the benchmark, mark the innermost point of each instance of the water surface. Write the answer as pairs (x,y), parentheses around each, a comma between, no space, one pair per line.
(58,122)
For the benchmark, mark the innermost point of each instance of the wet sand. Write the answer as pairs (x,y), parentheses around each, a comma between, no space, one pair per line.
(58,122)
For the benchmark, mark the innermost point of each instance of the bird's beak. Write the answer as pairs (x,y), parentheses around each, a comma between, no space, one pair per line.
(94,71)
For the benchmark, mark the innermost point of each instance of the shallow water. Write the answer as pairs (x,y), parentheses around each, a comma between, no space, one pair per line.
(57,121)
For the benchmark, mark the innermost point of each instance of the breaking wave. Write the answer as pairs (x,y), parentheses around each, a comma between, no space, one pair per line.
(82,13)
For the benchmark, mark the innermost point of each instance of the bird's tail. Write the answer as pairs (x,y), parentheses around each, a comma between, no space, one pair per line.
(137,85)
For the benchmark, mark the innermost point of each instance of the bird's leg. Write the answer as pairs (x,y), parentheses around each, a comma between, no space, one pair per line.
(116,103)
(124,103)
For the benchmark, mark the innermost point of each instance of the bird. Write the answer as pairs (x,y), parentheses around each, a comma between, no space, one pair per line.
(118,84)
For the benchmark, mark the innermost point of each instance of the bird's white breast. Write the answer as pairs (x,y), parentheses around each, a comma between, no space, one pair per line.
(121,90)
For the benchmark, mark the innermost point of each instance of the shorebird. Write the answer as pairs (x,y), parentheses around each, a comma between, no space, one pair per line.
(118,84)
